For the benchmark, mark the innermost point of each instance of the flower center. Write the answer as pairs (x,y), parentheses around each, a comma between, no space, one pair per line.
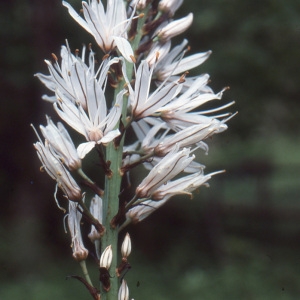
(95,134)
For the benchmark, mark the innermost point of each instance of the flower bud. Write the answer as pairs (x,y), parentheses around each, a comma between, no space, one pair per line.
(123,291)
(175,28)
(106,258)
(126,246)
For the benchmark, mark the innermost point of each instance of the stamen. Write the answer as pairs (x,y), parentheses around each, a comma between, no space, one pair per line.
(64,222)
(204,112)
(36,133)
(56,201)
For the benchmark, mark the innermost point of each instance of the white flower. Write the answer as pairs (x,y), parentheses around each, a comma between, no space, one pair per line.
(189,136)
(80,99)
(143,210)
(171,165)
(60,140)
(144,104)
(184,185)
(147,134)
(157,52)
(173,63)
(96,125)
(74,217)
(108,28)
(73,78)
(54,167)
(178,113)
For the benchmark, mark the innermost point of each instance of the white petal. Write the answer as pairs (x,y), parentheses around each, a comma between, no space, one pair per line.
(190,62)
(124,47)
(110,136)
(84,148)
(76,16)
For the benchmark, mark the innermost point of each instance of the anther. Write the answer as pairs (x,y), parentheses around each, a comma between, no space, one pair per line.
(54,57)
(133,59)
(105,56)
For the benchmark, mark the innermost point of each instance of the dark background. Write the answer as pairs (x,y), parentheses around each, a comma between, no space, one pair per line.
(239,239)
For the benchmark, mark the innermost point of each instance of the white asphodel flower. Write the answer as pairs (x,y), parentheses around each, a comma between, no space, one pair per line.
(74,217)
(71,78)
(62,143)
(171,165)
(142,102)
(189,136)
(109,27)
(174,63)
(143,210)
(74,79)
(80,99)
(182,186)
(96,124)
(180,113)
(185,185)
(54,167)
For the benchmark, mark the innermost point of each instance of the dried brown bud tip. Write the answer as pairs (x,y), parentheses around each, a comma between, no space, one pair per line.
(104,278)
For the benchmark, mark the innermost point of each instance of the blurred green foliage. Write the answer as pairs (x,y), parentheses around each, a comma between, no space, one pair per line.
(237,240)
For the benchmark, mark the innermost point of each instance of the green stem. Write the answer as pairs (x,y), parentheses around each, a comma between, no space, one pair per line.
(113,185)
(111,207)
(85,272)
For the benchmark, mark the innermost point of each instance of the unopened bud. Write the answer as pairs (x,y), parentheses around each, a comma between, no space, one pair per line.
(126,246)
(123,291)
(175,28)
(106,258)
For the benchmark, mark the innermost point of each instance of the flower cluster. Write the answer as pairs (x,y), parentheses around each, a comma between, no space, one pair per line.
(153,97)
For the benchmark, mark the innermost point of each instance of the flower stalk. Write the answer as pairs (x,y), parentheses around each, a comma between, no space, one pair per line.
(154,100)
